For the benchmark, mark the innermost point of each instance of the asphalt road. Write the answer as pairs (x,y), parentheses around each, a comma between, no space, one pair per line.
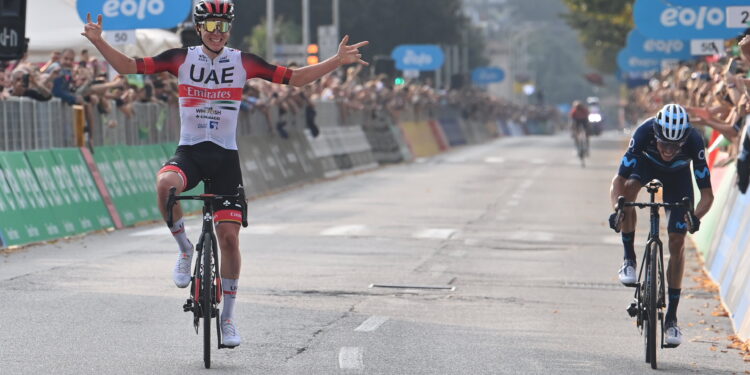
(516,226)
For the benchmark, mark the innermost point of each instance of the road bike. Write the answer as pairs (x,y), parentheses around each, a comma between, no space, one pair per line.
(649,300)
(205,284)
(581,138)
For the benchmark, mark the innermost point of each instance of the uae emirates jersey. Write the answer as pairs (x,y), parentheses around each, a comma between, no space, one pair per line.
(211,90)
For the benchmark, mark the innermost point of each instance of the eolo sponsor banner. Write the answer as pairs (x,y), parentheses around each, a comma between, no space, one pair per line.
(627,61)
(645,47)
(691,19)
(135,14)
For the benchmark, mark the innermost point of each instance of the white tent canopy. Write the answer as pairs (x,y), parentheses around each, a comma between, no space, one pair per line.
(52,25)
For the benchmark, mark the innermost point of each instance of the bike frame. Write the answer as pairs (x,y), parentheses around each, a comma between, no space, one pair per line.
(198,282)
(639,309)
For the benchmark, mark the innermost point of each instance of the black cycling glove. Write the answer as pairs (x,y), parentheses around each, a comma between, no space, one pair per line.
(695,221)
(743,163)
(615,220)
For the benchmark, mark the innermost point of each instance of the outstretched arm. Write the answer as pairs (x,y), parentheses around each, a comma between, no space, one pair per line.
(93,31)
(346,55)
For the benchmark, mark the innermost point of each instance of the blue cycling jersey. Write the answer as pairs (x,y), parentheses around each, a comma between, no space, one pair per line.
(642,155)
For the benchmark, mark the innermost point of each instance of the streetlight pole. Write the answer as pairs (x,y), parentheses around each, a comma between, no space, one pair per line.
(336,18)
(270,40)
(305,23)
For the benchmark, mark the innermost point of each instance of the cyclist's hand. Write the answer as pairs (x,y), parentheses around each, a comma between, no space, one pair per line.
(696,222)
(743,164)
(349,54)
(615,221)
(91,30)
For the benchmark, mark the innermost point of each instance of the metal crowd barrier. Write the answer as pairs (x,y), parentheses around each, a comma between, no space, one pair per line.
(27,124)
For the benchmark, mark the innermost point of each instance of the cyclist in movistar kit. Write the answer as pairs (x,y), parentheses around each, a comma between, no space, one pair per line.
(662,148)
(211,78)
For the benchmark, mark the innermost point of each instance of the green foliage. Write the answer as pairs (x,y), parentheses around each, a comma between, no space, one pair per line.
(287,32)
(603,26)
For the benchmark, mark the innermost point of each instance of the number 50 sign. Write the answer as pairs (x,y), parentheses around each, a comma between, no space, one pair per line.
(120,37)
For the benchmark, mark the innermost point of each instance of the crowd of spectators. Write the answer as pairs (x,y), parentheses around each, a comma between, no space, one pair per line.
(84,79)
(715,91)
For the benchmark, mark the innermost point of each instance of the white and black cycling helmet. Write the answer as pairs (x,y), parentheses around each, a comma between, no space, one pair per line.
(206,9)
(672,124)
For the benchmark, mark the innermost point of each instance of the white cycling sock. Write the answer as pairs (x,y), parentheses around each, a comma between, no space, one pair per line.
(229,287)
(178,231)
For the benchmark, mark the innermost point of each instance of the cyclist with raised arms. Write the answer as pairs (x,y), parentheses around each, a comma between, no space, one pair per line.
(211,78)
(662,148)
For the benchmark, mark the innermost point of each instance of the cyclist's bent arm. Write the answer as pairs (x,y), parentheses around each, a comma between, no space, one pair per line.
(310,73)
(122,63)
(617,189)
(347,54)
(707,199)
(93,32)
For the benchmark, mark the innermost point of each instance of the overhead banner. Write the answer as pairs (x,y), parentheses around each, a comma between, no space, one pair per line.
(691,19)
(135,14)
(422,57)
(487,75)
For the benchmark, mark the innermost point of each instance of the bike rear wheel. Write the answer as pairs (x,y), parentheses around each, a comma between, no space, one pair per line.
(651,304)
(206,298)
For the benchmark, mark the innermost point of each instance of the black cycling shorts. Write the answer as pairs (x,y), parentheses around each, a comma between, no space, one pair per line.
(677,185)
(207,160)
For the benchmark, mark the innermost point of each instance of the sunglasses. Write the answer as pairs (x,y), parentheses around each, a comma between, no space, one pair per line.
(670,146)
(221,26)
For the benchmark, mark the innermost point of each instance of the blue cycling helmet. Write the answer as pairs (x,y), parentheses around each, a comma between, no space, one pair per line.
(672,123)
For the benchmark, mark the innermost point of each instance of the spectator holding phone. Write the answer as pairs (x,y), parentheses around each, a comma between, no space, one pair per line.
(26,84)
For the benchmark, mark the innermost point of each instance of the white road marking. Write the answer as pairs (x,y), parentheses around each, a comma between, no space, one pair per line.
(517,195)
(471,242)
(372,323)
(612,240)
(350,358)
(435,233)
(494,160)
(526,184)
(263,229)
(538,161)
(513,202)
(533,236)
(160,231)
(343,230)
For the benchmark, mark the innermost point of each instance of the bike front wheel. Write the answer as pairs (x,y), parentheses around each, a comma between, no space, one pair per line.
(651,304)
(206,295)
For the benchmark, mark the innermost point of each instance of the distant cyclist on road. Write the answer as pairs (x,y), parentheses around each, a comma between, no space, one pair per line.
(579,118)
(211,78)
(662,148)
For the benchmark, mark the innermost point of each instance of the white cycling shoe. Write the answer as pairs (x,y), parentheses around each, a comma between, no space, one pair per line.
(181,273)
(672,334)
(230,335)
(627,273)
